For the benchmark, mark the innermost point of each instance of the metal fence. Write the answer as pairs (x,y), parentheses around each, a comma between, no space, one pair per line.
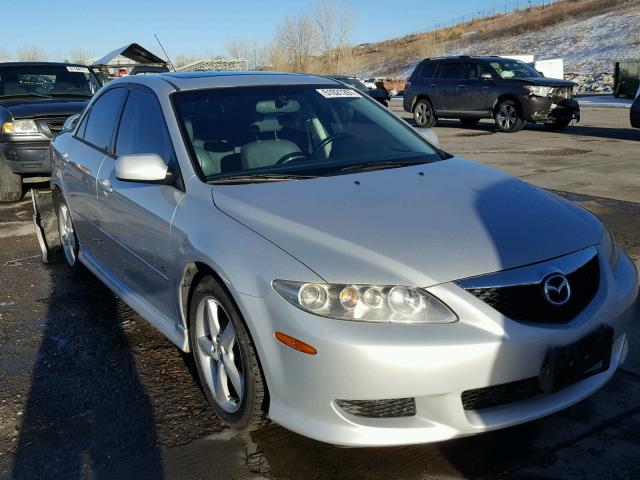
(503,8)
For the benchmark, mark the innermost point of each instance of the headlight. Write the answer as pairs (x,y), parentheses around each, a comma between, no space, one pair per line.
(539,91)
(20,127)
(610,248)
(366,303)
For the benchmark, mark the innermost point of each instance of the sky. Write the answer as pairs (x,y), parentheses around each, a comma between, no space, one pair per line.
(201,27)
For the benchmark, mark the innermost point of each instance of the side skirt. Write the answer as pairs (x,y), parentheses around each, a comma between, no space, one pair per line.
(176,333)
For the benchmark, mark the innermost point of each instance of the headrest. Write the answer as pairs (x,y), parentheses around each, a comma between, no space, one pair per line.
(267,107)
(267,124)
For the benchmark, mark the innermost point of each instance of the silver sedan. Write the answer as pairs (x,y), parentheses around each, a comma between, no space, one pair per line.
(329,267)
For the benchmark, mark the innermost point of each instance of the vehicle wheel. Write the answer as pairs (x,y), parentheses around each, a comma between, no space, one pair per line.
(68,238)
(469,121)
(225,357)
(558,124)
(10,184)
(423,114)
(508,117)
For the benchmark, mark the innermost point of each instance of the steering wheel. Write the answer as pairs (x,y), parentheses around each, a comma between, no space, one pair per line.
(327,141)
(290,157)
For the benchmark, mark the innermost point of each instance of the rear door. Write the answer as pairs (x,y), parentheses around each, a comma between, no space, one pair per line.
(473,92)
(136,217)
(91,144)
(446,78)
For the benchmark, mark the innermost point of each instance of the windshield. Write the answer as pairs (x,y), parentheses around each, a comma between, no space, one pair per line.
(47,80)
(514,69)
(355,83)
(302,130)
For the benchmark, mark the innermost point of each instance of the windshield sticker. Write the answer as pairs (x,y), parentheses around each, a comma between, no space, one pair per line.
(77,69)
(338,93)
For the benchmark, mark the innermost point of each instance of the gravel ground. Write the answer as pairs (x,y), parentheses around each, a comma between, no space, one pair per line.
(89,390)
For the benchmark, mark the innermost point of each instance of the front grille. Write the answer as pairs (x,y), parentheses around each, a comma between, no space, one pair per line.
(497,395)
(51,125)
(527,303)
(55,124)
(390,408)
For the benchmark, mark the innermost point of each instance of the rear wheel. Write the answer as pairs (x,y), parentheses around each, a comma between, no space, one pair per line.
(423,114)
(558,124)
(508,117)
(68,238)
(469,121)
(225,357)
(10,184)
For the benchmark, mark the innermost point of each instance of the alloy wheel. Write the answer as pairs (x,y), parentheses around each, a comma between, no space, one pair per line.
(67,235)
(507,116)
(423,114)
(219,354)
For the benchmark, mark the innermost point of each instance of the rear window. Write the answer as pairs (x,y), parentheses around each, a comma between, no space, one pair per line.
(428,70)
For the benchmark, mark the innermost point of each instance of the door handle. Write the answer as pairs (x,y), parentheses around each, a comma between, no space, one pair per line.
(65,157)
(105,185)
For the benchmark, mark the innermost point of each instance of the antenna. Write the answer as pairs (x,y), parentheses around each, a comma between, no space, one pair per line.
(173,68)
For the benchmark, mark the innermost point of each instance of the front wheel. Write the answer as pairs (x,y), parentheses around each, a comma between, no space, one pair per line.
(10,184)
(508,117)
(558,124)
(423,114)
(225,357)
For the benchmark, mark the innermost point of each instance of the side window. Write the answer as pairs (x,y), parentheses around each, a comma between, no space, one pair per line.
(102,119)
(450,70)
(428,69)
(471,71)
(142,128)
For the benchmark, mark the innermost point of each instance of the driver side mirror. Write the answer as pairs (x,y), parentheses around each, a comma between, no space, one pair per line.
(71,122)
(486,76)
(142,167)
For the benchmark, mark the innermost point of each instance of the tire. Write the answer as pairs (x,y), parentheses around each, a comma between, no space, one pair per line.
(10,184)
(508,117)
(423,114)
(558,124)
(469,121)
(68,239)
(215,357)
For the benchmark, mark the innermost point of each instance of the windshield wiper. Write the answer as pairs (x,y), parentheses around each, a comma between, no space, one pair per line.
(260,178)
(83,95)
(380,165)
(19,95)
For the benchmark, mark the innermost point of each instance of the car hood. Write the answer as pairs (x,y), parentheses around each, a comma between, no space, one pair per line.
(43,107)
(420,225)
(548,82)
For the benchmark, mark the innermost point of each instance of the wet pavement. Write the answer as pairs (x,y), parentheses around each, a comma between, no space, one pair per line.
(89,390)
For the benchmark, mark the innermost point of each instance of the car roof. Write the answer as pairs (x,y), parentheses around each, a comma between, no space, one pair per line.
(203,80)
(25,64)
(465,57)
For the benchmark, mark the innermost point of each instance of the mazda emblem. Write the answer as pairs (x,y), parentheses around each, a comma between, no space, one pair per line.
(556,289)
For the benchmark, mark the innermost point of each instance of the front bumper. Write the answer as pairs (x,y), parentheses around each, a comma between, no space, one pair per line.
(432,363)
(545,110)
(27,157)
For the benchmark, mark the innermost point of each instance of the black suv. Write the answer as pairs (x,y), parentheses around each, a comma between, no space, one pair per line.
(471,88)
(35,101)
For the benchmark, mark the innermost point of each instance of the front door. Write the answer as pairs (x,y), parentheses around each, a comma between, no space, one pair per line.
(474,93)
(447,77)
(135,217)
(81,161)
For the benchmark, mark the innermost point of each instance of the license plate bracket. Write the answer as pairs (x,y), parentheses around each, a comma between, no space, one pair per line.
(566,365)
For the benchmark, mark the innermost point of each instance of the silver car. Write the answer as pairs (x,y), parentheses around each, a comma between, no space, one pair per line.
(329,268)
